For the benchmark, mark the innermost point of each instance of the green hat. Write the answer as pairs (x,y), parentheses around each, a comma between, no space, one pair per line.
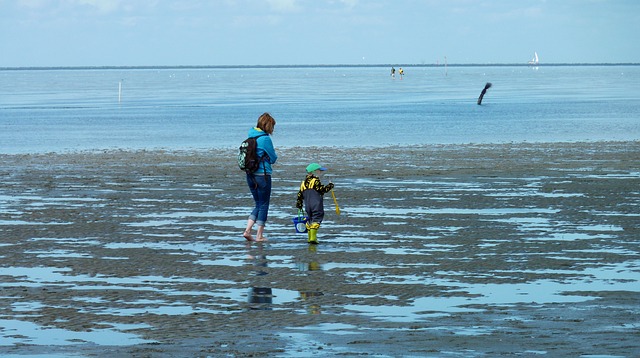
(315,166)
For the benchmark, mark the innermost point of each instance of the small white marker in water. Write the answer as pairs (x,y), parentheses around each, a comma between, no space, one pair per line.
(119,91)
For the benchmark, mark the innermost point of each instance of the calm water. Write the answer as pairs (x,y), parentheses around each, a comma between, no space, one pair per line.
(61,110)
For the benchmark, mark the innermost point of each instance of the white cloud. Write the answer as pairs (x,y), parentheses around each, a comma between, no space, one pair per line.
(284,5)
(350,3)
(102,6)
(33,4)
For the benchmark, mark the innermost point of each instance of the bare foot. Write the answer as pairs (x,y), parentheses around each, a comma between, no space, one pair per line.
(261,239)
(247,235)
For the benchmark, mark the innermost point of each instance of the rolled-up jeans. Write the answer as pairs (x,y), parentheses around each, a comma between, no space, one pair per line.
(260,186)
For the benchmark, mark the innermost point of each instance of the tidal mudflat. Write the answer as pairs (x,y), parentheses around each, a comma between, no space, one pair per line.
(527,249)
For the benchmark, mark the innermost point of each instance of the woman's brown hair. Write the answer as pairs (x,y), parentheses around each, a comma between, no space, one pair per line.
(266,123)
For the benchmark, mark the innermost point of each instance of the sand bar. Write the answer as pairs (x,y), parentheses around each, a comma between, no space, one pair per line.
(461,250)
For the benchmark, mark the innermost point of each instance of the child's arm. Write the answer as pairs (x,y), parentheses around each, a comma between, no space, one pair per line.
(323,189)
(299,200)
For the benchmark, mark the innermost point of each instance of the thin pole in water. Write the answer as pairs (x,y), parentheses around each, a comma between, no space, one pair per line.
(119,91)
(445,66)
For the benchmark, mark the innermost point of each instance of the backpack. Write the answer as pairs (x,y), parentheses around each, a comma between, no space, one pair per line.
(248,160)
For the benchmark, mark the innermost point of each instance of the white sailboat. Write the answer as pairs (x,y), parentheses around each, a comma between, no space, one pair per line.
(534,61)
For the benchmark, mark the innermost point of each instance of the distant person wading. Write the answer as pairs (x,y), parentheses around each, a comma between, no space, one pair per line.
(259,181)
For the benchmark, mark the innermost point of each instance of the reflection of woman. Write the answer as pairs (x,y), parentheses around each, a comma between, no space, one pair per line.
(259,294)
(260,181)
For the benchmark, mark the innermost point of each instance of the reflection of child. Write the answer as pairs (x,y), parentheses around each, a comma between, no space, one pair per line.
(311,193)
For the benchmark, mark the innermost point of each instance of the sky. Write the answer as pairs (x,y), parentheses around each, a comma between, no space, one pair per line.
(52,33)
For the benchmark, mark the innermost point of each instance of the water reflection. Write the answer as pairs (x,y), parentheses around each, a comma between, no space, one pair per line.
(311,263)
(260,294)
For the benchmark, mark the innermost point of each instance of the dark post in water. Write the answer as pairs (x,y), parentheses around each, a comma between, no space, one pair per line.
(484,90)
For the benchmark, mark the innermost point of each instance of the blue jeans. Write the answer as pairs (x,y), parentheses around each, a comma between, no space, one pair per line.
(260,186)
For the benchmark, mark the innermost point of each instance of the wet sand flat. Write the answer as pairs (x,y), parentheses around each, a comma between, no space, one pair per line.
(528,249)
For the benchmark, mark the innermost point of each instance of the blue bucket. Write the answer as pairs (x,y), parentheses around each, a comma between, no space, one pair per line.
(300,223)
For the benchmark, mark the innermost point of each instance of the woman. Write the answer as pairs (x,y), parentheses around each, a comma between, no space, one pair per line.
(260,181)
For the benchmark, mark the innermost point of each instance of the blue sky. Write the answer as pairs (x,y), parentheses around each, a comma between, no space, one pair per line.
(293,32)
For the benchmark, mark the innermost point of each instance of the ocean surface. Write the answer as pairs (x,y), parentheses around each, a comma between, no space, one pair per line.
(60,110)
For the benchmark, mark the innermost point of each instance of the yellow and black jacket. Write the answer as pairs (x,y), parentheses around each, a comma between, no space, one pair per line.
(311,192)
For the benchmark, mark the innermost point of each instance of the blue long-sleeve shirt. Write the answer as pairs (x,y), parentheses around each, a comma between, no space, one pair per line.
(264,146)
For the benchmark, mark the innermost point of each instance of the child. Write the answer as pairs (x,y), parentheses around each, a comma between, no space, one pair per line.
(311,192)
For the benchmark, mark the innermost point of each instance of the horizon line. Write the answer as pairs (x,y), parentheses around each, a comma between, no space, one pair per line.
(143,67)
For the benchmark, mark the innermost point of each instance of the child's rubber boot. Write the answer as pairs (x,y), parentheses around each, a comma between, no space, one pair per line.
(308,226)
(313,236)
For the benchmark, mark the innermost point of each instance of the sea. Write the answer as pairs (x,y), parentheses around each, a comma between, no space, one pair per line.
(203,108)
